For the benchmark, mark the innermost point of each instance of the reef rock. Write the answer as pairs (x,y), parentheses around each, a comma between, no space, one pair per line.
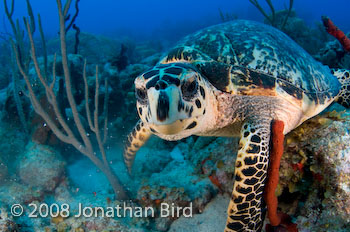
(213,157)
(12,146)
(88,224)
(7,223)
(205,222)
(332,168)
(184,173)
(41,167)
(16,193)
(333,55)
(122,96)
(9,105)
(168,176)
(95,48)
(316,167)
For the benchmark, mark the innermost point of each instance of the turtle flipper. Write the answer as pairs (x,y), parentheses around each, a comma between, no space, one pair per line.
(246,211)
(343,76)
(136,139)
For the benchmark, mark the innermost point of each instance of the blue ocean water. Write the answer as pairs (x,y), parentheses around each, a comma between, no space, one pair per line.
(155,18)
(60,158)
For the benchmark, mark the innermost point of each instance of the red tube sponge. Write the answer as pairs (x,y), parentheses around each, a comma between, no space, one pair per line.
(278,221)
(337,33)
(273,172)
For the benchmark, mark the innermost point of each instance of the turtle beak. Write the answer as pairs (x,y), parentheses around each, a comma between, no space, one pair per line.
(169,129)
(163,105)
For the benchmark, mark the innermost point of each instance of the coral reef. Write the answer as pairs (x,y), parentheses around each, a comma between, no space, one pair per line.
(7,223)
(82,224)
(122,98)
(121,61)
(315,167)
(13,192)
(58,124)
(14,142)
(97,49)
(314,175)
(47,163)
(333,55)
(191,171)
(205,222)
(165,184)
(10,105)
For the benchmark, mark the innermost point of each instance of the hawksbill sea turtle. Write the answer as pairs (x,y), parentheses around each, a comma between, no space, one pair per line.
(235,79)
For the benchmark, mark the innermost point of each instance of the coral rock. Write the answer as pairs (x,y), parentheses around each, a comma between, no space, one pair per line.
(316,165)
(41,167)
(6,223)
(333,55)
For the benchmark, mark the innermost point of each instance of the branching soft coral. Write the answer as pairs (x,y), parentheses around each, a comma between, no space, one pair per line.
(272,18)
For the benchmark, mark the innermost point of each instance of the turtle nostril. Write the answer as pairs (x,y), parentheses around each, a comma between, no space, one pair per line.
(161,85)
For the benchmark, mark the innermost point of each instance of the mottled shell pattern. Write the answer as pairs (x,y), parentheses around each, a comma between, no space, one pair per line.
(250,58)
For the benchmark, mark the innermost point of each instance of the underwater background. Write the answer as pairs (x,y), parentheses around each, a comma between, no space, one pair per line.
(45,173)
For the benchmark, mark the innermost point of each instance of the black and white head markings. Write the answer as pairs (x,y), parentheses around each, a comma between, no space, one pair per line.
(172,99)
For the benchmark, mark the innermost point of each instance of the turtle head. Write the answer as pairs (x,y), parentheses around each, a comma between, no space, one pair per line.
(172,100)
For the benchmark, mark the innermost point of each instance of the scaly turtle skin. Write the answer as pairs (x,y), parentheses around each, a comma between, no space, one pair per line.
(234,79)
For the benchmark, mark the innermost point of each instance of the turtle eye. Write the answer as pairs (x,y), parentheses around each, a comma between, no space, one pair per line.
(141,95)
(189,89)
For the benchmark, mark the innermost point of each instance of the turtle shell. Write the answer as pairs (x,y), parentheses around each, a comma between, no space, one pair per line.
(251,58)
